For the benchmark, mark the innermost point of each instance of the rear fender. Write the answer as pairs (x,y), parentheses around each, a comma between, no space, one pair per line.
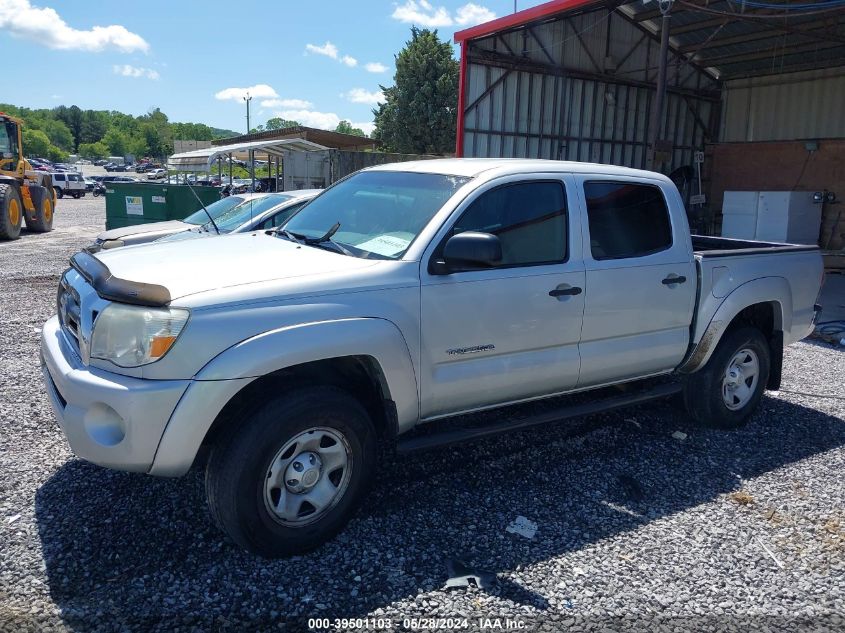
(774,290)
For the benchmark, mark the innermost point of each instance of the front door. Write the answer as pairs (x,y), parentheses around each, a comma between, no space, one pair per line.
(509,332)
(641,280)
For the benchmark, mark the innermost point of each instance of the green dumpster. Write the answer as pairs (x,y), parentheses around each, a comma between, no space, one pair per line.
(129,203)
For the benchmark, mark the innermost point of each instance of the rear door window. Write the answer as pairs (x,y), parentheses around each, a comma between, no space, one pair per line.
(627,219)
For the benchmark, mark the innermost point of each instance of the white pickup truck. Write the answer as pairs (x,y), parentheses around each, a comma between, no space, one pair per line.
(403,295)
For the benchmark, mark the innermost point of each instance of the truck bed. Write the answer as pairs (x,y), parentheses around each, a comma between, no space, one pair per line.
(787,273)
(708,246)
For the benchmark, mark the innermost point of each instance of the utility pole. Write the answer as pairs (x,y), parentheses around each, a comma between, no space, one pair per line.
(247,98)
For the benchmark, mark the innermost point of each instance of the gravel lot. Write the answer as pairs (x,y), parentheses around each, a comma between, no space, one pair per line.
(635,527)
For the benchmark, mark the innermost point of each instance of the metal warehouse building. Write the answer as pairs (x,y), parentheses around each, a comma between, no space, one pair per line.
(757,87)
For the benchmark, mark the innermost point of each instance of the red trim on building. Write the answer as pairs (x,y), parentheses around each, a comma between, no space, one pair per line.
(459,137)
(519,18)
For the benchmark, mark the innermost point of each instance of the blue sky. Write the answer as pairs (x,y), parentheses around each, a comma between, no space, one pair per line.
(317,62)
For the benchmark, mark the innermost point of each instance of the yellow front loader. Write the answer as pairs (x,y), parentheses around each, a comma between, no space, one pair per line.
(25,195)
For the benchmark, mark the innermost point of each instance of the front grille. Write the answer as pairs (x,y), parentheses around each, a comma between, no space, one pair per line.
(69,312)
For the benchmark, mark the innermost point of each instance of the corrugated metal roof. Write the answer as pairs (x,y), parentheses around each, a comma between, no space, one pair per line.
(729,38)
(202,159)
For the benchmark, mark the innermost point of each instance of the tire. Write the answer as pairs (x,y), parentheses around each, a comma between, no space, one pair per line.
(11,212)
(75,195)
(714,395)
(42,217)
(59,193)
(251,469)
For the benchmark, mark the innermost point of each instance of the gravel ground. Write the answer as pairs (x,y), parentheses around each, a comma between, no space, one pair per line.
(636,528)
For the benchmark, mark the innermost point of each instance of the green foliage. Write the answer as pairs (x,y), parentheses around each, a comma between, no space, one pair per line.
(106,133)
(420,111)
(346,128)
(279,124)
(35,142)
(93,151)
(117,141)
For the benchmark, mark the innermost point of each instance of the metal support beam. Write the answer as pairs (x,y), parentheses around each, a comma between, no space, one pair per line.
(488,58)
(773,30)
(656,121)
(776,52)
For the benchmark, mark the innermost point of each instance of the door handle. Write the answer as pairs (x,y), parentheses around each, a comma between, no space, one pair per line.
(562,292)
(679,279)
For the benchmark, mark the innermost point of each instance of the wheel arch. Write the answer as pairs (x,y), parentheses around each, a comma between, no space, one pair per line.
(764,303)
(367,356)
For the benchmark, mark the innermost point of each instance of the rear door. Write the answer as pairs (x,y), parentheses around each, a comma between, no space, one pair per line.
(510,332)
(640,278)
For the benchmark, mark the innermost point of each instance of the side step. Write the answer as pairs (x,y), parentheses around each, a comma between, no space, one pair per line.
(608,403)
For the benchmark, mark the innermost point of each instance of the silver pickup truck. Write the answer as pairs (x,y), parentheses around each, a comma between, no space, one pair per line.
(398,298)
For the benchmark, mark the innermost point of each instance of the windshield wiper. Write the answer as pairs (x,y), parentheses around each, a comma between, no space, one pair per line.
(324,241)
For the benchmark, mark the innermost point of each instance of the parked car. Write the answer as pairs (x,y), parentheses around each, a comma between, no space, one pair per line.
(106,179)
(401,297)
(68,184)
(90,183)
(258,212)
(143,233)
(101,162)
(157,174)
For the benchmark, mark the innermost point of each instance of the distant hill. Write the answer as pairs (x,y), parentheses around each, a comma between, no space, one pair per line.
(221,133)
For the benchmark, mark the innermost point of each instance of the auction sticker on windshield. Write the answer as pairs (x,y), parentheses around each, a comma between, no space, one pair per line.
(387,245)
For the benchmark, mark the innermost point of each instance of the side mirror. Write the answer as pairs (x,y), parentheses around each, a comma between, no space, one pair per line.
(469,250)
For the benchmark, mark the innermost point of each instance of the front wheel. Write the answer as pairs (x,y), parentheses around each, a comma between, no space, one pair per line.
(725,392)
(292,474)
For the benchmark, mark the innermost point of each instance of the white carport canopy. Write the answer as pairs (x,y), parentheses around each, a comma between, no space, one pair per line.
(201,160)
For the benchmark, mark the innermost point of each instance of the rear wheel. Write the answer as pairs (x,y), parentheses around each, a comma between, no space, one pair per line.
(725,392)
(11,212)
(290,477)
(60,193)
(42,217)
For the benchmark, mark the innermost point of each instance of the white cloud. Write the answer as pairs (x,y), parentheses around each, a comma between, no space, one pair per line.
(359,95)
(349,61)
(328,49)
(311,118)
(471,14)
(375,67)
(300,104)
(126,70)
(258,91)
(423,13)
(45,26)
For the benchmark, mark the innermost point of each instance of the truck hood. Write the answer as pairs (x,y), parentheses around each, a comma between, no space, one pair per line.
(171,226)
(193,266)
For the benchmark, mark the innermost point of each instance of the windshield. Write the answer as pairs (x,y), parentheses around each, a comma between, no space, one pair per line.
(246,211)
(216,209)
(379,212)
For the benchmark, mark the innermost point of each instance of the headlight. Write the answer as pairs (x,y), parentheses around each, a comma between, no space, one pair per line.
(131,336)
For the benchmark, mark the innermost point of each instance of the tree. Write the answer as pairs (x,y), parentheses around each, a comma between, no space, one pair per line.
(346,128)
(279,124)
(419,114)
(117,142)
(59,134)
(94,126)
(35,142)
(93,150)
(72,117)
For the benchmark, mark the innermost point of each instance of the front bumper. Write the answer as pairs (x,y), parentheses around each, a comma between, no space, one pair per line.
(109,419)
